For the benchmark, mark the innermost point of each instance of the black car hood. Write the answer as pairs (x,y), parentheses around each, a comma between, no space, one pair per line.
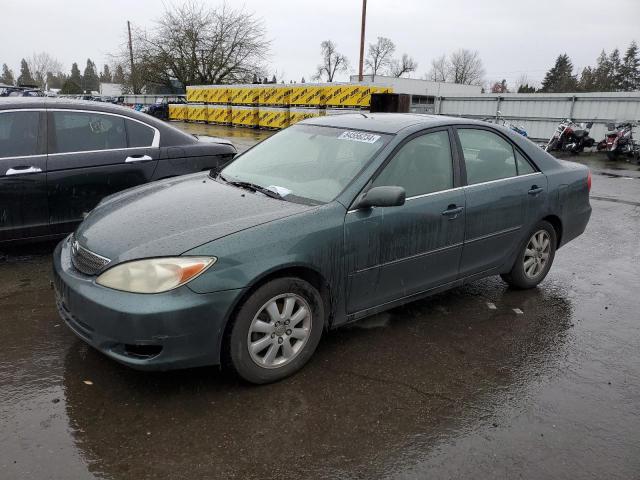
(172,216)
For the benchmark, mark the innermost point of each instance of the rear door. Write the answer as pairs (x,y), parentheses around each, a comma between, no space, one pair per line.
(504,198)
(23,192)
(92,155)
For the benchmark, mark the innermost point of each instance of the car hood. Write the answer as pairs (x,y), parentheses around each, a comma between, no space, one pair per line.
(173,216)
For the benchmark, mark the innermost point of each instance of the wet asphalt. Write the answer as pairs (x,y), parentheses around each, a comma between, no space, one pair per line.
(446,387)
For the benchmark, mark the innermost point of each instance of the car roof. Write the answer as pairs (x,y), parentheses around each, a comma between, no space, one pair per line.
(7,103)
(385,122)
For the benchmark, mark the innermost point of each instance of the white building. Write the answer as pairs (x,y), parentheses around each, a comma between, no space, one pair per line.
(110,89)
(423,92)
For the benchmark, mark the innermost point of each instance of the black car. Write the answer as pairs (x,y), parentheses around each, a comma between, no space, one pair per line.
(59,158)
(160,109)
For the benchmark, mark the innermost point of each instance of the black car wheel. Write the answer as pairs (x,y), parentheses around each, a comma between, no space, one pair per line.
(534,259)
(276,330)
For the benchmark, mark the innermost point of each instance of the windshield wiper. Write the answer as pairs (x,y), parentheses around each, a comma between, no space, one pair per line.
(254,187)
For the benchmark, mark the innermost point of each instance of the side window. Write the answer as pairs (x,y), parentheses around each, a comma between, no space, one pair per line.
(487,156)
(139,134)
(524,167)
(86,131)
(19,133)
(422,165)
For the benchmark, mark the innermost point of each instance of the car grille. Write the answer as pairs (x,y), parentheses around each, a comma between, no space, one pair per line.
(85,260)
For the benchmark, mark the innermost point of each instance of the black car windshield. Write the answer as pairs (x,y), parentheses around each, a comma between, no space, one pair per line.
(306,162)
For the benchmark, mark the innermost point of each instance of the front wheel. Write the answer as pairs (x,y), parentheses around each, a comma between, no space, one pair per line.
(276,330)
(534,259)
(611,155)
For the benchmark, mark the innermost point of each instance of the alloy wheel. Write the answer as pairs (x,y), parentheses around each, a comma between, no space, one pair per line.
(279,331)
(536,255)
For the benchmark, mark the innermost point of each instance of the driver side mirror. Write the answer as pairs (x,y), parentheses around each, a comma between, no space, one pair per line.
(385,196)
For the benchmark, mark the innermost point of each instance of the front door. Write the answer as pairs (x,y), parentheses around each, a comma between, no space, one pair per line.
(23,187)
(504,198)
(92,155)
(397,252)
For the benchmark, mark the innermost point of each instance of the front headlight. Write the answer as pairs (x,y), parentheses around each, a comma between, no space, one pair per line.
(154,275)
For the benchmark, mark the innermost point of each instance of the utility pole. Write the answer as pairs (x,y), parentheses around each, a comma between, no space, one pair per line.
(133,75)
(364,21)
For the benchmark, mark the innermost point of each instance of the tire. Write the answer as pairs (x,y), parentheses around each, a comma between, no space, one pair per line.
(524,274)
(611,156)
(283,341)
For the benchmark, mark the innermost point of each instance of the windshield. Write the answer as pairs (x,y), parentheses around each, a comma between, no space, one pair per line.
(306,162)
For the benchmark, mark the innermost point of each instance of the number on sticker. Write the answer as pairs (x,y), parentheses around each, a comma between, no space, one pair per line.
(359,136)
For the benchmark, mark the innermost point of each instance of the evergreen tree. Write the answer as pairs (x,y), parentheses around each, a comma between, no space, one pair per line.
(25,77)
(526,88)
(602,74)
(587,81)
(560,78)
(90,77)
(75,79)
(7,75)
(273,79)
(71,88)
(630,69)
(616,66)
(303,80)
(118,76)
(105,76)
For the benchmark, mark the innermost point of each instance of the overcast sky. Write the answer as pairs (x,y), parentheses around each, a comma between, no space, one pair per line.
(512,37)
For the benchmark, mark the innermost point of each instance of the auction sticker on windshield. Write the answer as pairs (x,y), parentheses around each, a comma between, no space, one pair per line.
(359,136)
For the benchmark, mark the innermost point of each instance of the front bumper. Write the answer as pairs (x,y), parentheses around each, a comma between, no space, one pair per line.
(175,329)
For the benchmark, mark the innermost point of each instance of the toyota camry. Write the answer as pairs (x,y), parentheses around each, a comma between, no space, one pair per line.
(324,223)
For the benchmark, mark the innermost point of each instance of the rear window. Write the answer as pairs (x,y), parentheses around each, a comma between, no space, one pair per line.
(139,134)
(86,131)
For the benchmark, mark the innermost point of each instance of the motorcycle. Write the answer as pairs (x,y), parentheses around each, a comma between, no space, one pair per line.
(571,137)
(620,141)
(499,120)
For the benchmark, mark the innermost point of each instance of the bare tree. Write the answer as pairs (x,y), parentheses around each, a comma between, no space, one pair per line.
(439,69)
(42,63)
(523,81)
(380,56)
(332,62)
(466,67)
(197,44)
(405,65)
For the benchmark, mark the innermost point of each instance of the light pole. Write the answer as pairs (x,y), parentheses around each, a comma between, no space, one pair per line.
(364,21)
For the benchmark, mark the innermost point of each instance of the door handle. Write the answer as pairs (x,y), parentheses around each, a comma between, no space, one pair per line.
(453,211)
(22,170)
(137,158)
(535,190)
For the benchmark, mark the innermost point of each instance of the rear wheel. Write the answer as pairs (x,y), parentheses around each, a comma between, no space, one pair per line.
(534,259)
(276,330)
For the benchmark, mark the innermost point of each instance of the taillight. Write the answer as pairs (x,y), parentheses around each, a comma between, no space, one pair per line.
(589,180)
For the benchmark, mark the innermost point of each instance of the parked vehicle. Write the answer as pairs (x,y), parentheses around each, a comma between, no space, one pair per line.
(11,91)
(500,120)
(570,137)
(160,109)
(324,223)
(620,141)
(59,158)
